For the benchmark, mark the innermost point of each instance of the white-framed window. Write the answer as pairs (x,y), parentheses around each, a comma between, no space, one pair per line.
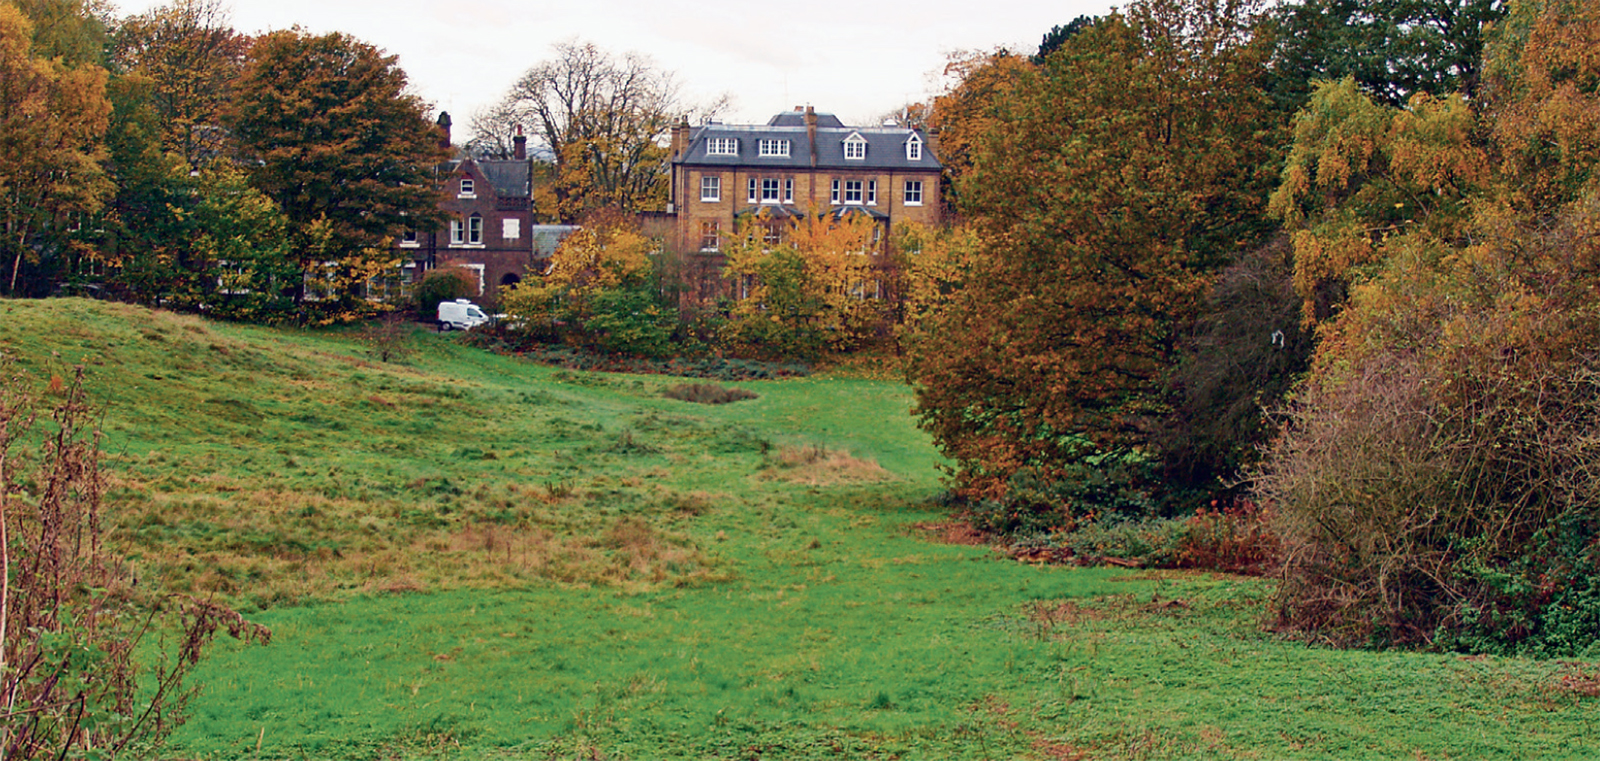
(855,147)
(468,188)
(710,189)
(722,146)
(770,190)
(788,190)
(408,238)
(852,191)
(750,190)
(872,192)
(834,197)
(710,235)
(511,228)
(476,269)
(772,147)
(458,232)
(914,148)
(474,230)
(913,194)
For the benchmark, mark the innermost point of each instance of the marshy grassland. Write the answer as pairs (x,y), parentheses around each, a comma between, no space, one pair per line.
(463,555)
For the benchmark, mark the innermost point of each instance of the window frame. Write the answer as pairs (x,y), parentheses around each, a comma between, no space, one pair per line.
(468,188)
(458,232)
(914,148)
(710,235)
(872,192)
(711,188)
(854,192)
(772,147)
(722,146)
(855,147)
(911,193)
(475,230)
(771,190)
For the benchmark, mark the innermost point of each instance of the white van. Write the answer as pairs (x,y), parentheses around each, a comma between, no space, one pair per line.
(460,314)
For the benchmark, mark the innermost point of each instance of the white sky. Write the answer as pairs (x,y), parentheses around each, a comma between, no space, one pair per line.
(857,59)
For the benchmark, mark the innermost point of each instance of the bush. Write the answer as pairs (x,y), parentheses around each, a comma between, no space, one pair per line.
(707,393)
(441,285)
(1093,489)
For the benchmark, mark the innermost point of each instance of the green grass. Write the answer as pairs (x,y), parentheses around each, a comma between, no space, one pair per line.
(464,556)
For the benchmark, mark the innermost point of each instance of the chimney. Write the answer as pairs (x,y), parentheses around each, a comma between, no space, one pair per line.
(444,129)
(519,146)
(680,139)
(933,142)
(811,132)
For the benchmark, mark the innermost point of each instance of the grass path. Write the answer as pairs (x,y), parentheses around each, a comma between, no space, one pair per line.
(463,556)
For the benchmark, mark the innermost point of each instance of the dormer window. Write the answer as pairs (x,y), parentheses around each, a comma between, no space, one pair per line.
(468,189)
(773,148)
(855,147)
(722,146)
(914,148)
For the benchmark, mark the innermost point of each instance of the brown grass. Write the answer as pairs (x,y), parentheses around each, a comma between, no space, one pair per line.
(812,465)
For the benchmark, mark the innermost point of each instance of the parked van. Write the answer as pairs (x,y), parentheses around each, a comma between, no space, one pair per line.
(460,314)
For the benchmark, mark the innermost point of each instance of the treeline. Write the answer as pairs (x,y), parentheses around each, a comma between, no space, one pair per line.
(166,159)
(1328,269)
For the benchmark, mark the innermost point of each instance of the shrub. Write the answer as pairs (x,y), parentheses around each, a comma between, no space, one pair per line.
(441,285)
(707,393)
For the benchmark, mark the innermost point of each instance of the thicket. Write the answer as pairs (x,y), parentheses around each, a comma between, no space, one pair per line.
(1436,478)
(76,633)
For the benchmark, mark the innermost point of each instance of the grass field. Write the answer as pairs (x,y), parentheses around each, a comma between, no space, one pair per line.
(465,556)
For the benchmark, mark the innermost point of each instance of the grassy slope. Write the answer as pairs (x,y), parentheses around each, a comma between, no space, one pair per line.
(463,553)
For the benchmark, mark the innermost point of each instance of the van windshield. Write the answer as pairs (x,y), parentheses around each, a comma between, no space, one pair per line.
(476,312)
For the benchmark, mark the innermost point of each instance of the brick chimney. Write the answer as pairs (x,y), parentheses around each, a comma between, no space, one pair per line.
(519,145)
(444,129)
(811,132)
(680,140)
(933,142)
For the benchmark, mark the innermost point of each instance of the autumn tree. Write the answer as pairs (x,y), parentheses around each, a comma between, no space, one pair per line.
(1111,186)
(601,117)
(806,285)
(334,138)
(1434,483)
(191,58)
(52,117)
(601,289)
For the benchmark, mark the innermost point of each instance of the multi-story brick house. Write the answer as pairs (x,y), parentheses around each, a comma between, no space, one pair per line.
(489,230)
(799,162)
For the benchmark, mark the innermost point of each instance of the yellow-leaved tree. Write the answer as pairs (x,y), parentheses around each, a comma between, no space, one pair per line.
(601,290)
(52,117)
(806,285)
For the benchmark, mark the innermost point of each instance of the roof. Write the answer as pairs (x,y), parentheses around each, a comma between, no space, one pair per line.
(511,178)
(886,146)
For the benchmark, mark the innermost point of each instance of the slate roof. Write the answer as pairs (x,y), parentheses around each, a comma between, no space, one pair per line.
(886,146)
(511,178)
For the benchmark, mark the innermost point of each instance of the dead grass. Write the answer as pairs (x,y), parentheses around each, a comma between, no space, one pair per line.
(813,465)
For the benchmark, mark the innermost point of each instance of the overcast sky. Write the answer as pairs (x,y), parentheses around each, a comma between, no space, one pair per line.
(856,59)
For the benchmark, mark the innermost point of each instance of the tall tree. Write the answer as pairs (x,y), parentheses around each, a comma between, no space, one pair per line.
(601,118)
(1393,49)
(1121,177)
(192,57)
(52,118)
(337,141)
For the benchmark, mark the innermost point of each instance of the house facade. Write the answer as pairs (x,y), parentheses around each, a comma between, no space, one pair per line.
(488,203)
(800,162)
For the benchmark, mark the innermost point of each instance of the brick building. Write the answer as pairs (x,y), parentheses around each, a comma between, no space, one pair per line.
(799,162)
(490,230)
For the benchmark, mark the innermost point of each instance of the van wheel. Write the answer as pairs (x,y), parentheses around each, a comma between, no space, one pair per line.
(444,327)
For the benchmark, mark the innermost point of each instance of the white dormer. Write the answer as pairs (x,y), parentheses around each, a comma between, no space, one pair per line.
(914,148)
(855,147)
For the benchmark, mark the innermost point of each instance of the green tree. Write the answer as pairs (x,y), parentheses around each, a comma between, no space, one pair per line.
(335,140)
(1121,177)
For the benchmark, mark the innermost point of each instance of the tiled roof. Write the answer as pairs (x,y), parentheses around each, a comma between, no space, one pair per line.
(886,146)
